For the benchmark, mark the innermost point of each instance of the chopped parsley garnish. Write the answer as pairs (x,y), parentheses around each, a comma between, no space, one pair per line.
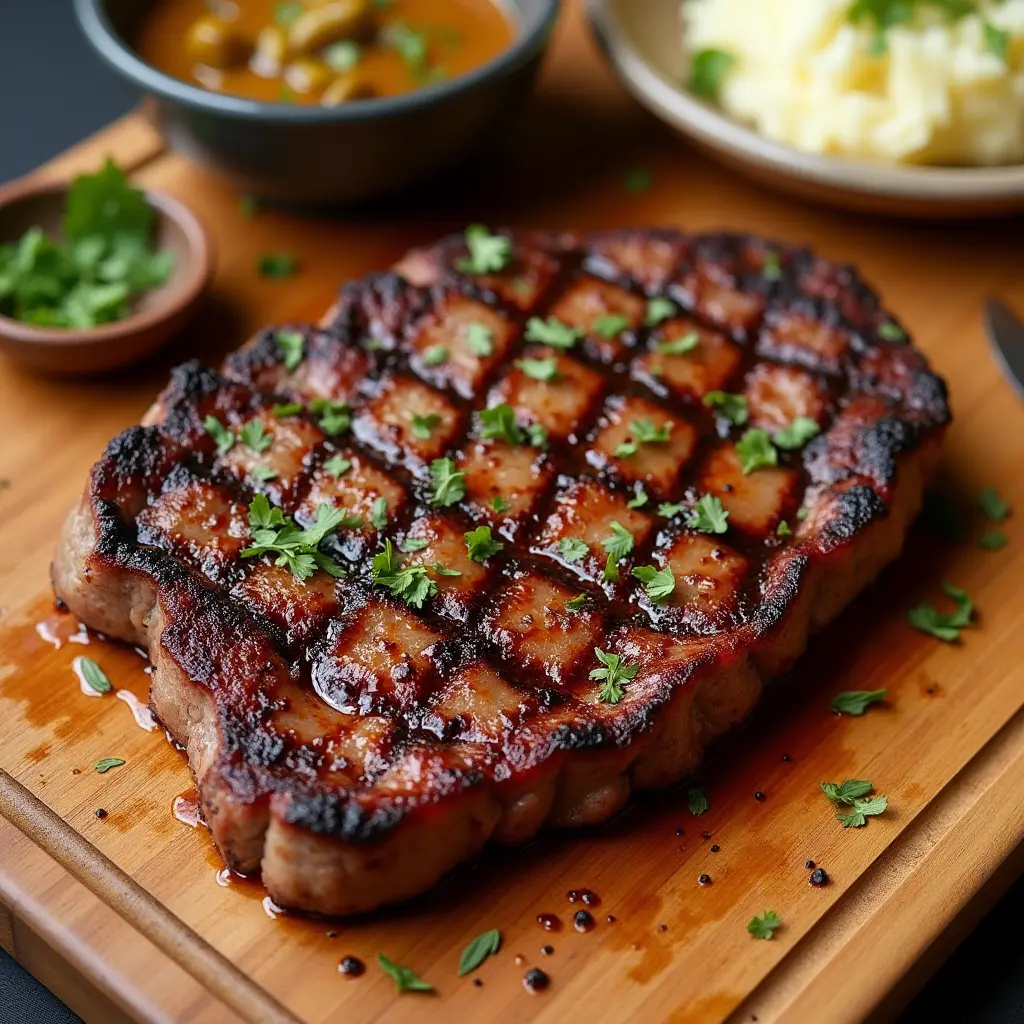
(638,180)
(479,339)
(678,346)
(103,766)
(478,951)
(610,325)
(771,265)
(276,264)
(890,331)
(668,509)
(619,542)
(296,548)
(639,499)
(611,572)
(732,407)
(254,436)
(411,45)
(93,675)
(449,484)
(435,355)
(405,979)
(612,674)
(264,474)
(223,438)
(552,332)
(697,800)
(423,426)
(538,435)
(708,515)
(283,409)
(337,465)
(498,423)
(850,794)
(856,702)
(765,925)
(658,310)
(944,626)
(544,370)
(643,432)
(802,512)
(414,544)
(994,507)
(658,583)
(783,529)
(292,346)
(411,583)
(572,549)
(343,55)
(442,570)
(481,545)
(993,540)
(796,434)
(335,417)
(499,504)
(287,12)
(488,254)
(576,604)
(756,451)
(997,40)
(379,513)
(708,70)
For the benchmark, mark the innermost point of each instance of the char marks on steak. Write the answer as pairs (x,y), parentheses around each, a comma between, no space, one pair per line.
(352,747)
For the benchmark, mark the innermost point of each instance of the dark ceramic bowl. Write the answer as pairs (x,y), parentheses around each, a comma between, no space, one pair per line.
(317,155)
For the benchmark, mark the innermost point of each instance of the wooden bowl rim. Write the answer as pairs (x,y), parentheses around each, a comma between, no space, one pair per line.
(199,268)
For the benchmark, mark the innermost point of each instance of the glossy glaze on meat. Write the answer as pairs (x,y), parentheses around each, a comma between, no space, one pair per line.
(353,748)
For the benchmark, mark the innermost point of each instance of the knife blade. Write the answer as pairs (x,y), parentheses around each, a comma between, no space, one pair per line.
(1006,339)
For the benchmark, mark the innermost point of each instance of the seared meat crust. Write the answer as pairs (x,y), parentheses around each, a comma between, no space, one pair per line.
(354,748)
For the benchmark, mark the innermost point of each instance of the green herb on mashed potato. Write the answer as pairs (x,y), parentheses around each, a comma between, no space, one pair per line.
(915,81)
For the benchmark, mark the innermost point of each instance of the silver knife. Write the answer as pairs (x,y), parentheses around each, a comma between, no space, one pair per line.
(1006,338)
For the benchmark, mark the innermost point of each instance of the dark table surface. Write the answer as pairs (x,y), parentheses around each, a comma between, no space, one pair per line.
(55,93)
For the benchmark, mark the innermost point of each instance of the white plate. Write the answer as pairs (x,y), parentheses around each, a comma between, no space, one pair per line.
(643,42)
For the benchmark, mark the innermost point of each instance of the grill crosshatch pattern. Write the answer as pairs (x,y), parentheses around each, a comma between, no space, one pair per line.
(331,720)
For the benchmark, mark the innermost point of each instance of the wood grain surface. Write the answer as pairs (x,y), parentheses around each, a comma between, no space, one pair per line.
(947,748)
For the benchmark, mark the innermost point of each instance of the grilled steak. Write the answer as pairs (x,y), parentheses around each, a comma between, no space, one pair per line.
(517,529)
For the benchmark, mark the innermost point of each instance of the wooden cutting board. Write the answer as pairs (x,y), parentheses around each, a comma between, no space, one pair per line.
(124,916)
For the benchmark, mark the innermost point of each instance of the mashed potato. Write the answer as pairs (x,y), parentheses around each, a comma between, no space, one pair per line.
(935,92)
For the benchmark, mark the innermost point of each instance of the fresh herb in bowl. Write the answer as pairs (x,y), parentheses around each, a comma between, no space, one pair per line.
(103,262)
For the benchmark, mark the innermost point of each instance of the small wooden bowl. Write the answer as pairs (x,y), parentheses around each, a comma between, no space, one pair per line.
(159,313)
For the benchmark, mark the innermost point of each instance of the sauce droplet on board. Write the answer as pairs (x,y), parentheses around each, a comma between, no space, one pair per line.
(351,967)
(583,921)
(819,876)
(535,980)
(549,922)
(186,809)
(62,629)
(140,712)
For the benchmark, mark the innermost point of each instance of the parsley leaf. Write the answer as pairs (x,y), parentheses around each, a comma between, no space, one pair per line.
(498,423)
(796,434)
(544,370)
(997,40)
(765,925)
(732,407)
(405,979)
(276,264)
(611,572)
(707,70)
(335,417)
(756,451)
(612,673)
(478,951)
(619,543)
(435,355)
(499,504)
(538,435)
(856,702)
(850,794)
(552,332)
(488,254)
(771,265)
(411,583)
(292,347)
(442,570)
(449,484)
(481,545)
(423,426)
(697,800)
(846,792)
(993,540)
(678,346)
(287,12)
(708,515)
(610,325)
(995,508)
(658,310)
(254,436)
(337,465)
(414,544)
(282,409)
(890,331)
(224,439)
(639,499)
(668,509)
(104,205)
(103,766)
(379,513)
(264,474)
(93,675)
(297,549)
(942,626)
(479,339)
(576,604)
(783,529)
(659,583)
(643,432)
(572,549)
(343,55)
